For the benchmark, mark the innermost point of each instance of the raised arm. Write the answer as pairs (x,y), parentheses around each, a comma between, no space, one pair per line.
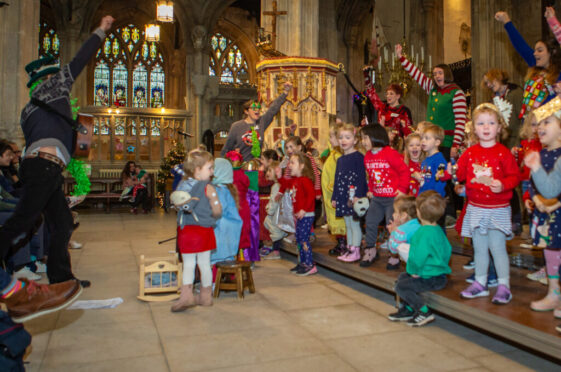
(89,48)
(553,23)
(266,119)
(459,106)
(426,83)
(516,39)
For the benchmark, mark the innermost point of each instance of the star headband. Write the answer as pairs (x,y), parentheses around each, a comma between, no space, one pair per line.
(553,107)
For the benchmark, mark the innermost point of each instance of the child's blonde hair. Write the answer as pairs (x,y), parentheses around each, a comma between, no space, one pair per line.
(435,130)
(271,168)
(422,125)
(347,127)
(489,108)
(526,131)
(195,159)
(334,128)
(407,204)
(408,139)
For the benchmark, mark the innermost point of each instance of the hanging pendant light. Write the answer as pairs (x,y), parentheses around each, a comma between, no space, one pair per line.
(152,32)
(164,11)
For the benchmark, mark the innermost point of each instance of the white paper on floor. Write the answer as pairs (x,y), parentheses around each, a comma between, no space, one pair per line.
(110,303)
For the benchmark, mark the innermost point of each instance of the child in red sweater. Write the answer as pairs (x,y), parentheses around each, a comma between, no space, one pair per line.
(301,188)
(490,173)
(388,177)
(413,156)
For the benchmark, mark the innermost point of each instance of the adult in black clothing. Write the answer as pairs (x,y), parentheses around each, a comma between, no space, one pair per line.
(49,145)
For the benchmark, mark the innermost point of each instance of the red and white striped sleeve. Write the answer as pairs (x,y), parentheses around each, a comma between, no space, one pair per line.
(317,175)
(459,106)
(425,82)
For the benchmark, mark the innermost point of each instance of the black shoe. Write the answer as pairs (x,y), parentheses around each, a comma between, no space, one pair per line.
(340,248)
(85,283)
(296,268)
(397,266)
(420,319)
(402,315)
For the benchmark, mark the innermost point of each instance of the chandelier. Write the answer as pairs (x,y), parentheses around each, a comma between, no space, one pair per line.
(164,11)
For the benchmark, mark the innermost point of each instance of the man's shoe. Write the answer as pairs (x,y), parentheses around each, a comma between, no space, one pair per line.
(402,315)
(35,300)
(85,283)
(420,319)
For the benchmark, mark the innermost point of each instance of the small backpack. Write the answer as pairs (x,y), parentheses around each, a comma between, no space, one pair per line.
(14,339)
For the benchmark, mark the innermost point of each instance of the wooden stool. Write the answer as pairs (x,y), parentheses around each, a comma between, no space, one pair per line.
(243,277)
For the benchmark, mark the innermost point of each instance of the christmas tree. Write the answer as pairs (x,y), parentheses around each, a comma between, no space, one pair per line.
(175,156)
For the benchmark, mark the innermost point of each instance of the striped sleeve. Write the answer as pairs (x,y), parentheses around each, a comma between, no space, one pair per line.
(317,175)
(425,82)
(459,106)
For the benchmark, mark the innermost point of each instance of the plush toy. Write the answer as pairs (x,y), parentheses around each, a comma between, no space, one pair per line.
(361,206)
(179,198)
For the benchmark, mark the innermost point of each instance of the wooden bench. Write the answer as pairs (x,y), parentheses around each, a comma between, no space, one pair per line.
(106,189)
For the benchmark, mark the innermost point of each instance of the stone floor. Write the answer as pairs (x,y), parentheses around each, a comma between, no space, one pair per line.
(324,322)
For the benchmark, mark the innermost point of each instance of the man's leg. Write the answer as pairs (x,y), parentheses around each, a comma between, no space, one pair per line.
(59,222)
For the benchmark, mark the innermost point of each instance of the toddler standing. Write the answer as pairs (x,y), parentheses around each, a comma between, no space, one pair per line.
(349,185)
(490,173)
(195,234)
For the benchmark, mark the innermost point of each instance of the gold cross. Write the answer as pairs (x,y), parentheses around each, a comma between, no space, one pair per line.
(275,13)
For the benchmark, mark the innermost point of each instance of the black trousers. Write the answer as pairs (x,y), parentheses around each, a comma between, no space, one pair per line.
(410,289)
(42,193)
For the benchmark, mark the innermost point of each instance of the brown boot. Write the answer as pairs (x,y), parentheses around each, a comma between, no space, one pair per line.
(205,297)
(186,299)
(34,300)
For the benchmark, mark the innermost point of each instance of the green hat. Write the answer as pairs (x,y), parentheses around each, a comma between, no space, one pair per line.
(41,67)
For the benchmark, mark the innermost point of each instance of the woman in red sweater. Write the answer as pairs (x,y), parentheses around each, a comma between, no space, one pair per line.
(490,173)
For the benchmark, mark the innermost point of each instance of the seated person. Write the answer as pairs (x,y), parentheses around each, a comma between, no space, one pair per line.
(427,262)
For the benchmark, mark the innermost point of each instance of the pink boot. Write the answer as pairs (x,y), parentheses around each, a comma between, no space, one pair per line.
(353,256)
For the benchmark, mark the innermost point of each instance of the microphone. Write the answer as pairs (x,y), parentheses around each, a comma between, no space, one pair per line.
(184,134)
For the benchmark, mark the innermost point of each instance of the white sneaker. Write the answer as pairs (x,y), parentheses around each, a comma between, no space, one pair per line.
(74,245)
(26,274)
(41,267)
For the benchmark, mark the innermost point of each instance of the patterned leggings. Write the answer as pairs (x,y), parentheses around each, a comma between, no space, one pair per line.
(303,230)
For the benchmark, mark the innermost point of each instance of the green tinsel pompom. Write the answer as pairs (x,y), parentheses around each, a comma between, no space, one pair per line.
(74,106)
(77,170)
(255,145)
(33,86)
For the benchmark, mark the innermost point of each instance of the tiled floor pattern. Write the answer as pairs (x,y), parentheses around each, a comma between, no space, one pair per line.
(323,322)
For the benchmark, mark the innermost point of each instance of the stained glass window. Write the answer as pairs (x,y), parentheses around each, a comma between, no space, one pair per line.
(227,61)
(101,84)
(120,84)
(157,82)
(139,86)
(49,43)
(128,70)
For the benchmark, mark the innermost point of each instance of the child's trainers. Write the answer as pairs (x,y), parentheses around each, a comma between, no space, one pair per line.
(503,295)
(474,290)
(538,276)
(421,318)
(296,268)
(273,255)
(470,265)
(264,251)
(402,315)
(307,270)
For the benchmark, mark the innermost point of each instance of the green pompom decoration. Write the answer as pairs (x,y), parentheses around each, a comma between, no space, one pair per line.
(77,170)
(255,145)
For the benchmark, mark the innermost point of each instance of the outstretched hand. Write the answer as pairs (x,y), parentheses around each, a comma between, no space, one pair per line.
(398,50)
(106,23)
(532,160)
(502,17)
(549,12)
(287,86)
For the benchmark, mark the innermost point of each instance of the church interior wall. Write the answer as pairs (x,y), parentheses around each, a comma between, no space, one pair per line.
(456,14)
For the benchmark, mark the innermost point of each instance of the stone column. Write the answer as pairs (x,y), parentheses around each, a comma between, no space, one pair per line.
(435,29)
(199,78)
(71,39)
(19,34)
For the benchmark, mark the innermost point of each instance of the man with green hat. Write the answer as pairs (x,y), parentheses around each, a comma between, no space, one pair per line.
(49,146)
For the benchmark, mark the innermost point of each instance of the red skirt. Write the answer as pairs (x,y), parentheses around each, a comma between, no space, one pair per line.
(195,239)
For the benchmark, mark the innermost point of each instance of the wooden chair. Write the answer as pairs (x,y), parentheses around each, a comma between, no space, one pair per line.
(243,278)
(160,275)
